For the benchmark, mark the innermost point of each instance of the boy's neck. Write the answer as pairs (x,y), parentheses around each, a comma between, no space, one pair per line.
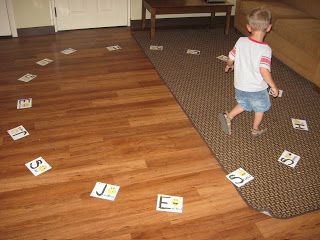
(258,35)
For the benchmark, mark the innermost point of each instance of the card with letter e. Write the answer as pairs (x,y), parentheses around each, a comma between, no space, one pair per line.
(27,77)
(299,124)
(44,62)
(193,52)
(105,191)
(24,103)
(18,132)
(68,51)
(114,48)
(239,177)
(38,166)
(289,159)
(166,203)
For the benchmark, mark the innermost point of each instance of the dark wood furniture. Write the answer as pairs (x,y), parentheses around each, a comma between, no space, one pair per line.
(156,7)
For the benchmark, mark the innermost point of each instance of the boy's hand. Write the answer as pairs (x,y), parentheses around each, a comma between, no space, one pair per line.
(274,91)
(227,68)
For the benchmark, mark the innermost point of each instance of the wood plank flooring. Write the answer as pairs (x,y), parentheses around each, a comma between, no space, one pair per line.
(108,117)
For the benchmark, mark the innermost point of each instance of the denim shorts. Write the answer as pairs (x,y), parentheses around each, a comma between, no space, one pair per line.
(254,101)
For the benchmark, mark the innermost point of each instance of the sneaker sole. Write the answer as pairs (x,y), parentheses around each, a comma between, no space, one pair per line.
(224,124)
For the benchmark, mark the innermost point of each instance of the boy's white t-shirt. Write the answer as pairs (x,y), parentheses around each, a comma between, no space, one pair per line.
(249,56)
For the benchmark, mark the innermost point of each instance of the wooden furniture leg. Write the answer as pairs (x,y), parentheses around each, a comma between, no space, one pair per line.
(153,23)
(143,15)
(228,15)
(212,19)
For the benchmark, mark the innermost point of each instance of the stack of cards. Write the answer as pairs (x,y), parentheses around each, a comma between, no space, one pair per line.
(44,62)
(289,159)
(193,52)
(38,166)
(105,191)
(27,78)
(239,177)
(223,58)
(24,103)
(114,48)
(299,124)
(68,51)
(18,132)
(166,203)
(156,48)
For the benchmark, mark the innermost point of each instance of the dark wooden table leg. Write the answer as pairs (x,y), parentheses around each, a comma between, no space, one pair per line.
(228,15)
(212,19)
(143,15)
(153,23)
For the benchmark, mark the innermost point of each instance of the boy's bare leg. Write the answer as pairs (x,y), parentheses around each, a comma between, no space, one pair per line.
(235,111)
(258,116)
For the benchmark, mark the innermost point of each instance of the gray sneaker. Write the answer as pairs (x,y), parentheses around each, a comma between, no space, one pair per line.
(225,122)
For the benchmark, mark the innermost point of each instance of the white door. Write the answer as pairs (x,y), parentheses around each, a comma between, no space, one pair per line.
(80,14)
(4,19)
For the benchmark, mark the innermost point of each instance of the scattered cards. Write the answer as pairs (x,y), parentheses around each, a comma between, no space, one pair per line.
(299,124)
(114,48)
(156,48)
(38,166)
(27,78)
(44,62)
(24,103)
(18,132)
(105,191)
(223,58)
(193,52)
(279,94)
(68,51)
(239,177)
(289,159)
(167,203)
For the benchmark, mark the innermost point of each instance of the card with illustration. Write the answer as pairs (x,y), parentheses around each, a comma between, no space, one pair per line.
(280,93)
(289,159)
(114,48)
(239,177)
(166,203)
(68,51)
(38,166)
(223,58)
(105,191)
(24,103)
(299,124)
(193,52)
(44,62)
(156,48)
(27,77)
(18,132)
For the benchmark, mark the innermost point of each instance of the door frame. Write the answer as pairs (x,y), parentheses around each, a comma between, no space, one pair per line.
(54,19)
(12,21)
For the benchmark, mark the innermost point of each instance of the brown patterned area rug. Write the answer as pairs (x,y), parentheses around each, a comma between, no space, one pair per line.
(201,87)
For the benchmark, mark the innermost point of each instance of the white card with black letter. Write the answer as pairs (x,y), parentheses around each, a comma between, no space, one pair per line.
(38,166)
(223,58)
(289,159)
(68,51)
(44,62)
(24,103)
(239,177)
(166,203)
(105,191)
(114,48)
(299,124)
(18,132)
(27,77)
(156,48)
(193,52)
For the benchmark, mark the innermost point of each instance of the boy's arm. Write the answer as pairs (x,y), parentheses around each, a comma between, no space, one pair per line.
(229,65)
(268,78)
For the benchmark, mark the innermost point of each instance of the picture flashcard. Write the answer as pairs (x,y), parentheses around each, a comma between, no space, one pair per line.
(156,48)
(27,77)
(166,203)
(38,166)
(68,51)
(280,94)
(114,48)
(105,191)
(24,103)
(223,58)
(18,132)
(193,52)
(299,124)
(44,62)
(239,177)
(289,159)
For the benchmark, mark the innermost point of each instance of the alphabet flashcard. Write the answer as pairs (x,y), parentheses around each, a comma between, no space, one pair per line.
(299,124)
(24,103)
(27,77)
(239,177)
(193,52)
(166,203)
(289,159)
(44,62)
(38,166)
(223,58)
(114,48)
(156,48)
(105,191)
(18,132)
(68,51)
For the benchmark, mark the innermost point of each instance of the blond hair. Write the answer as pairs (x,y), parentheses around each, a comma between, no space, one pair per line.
(259,19)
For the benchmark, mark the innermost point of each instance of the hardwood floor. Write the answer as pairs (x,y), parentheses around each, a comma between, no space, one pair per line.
(107,116)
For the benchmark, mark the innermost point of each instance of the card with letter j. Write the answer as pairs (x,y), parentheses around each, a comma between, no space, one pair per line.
(18,132)
(105,191)
(24,103)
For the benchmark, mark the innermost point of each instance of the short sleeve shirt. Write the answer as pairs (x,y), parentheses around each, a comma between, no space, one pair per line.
(249,56)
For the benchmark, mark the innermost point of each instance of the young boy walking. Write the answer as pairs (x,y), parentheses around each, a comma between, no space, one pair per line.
(251,60)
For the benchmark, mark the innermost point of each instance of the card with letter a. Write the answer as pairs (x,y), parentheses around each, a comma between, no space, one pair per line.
(166,203)
(24,103)
(239,177)
(193,52)
(27,77)
(18,132)
(68,51)
(105,191)
(38,166)
(44,62)
(114,48)
(299,124)
(289,159)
